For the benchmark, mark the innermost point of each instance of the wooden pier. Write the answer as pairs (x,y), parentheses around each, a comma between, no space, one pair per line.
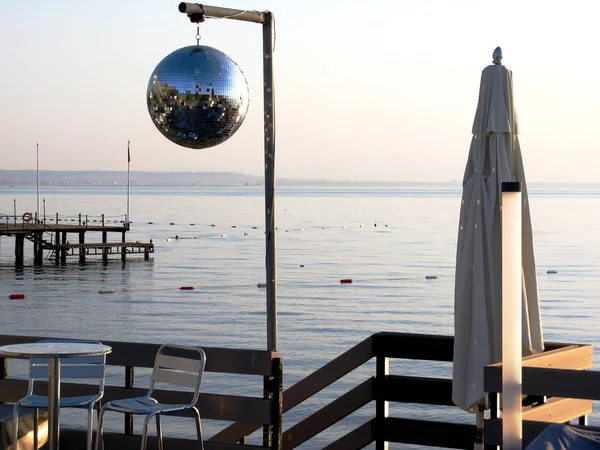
(54,238)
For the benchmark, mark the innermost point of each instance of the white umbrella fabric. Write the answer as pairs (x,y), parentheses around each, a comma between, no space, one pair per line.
(494,157)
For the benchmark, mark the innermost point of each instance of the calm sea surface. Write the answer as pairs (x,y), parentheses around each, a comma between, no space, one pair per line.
(386,239)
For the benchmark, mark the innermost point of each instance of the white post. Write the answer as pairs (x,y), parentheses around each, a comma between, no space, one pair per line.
(512,432)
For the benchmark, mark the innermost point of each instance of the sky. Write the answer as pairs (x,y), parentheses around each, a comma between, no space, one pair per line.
(378,91)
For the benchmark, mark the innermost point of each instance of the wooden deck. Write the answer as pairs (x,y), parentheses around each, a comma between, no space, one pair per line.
(101,248)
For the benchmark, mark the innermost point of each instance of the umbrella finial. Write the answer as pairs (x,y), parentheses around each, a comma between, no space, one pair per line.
(497,55)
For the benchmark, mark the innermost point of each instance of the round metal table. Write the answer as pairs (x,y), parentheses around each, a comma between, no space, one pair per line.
(54,351)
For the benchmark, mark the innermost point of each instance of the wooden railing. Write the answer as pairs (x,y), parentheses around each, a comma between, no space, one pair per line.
(249,414)
(384,387)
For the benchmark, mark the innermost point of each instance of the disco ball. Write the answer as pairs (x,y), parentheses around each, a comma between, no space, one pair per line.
(197,97)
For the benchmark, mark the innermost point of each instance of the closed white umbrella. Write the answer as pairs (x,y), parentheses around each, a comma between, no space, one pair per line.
(494,157)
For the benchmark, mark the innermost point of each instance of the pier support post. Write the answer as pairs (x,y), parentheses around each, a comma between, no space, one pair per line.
(57,242)
(63,253)
(104,250)
(123,249)
(38,249)
(81,249)
(19,249)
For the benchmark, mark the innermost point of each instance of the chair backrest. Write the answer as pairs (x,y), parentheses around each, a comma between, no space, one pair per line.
(177,366)
(88,368)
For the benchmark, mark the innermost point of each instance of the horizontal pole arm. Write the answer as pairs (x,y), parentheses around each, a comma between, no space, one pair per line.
(222,13)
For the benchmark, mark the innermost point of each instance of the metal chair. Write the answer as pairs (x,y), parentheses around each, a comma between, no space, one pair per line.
(89,368)
(174,366)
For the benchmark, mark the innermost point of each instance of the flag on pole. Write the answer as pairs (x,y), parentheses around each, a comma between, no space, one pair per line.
(128,153)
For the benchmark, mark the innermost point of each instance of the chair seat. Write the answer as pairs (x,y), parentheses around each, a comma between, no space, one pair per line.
(143,405)
(40,401)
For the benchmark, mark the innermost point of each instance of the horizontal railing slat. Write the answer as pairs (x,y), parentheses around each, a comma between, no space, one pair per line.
(425,347)
(405,389)
(254,410)
(139,354)
(549,382)
(429,433)
(575,357)
(558,410)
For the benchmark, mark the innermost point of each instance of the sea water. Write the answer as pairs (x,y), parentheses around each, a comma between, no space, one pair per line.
(397,243)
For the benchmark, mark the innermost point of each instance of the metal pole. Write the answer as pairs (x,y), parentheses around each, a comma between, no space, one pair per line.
(37,158)
(53,402)
(266,18)
(128,164)
(222,13)
(269,119)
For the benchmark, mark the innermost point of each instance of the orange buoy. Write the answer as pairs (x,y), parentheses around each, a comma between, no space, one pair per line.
(346,280)
(16,296)
(187,288)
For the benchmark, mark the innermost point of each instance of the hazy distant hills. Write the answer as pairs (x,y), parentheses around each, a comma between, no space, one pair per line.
(119,178)
(116,178)
(112,178)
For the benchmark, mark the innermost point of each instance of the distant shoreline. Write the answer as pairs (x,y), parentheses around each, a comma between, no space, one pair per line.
(55,178)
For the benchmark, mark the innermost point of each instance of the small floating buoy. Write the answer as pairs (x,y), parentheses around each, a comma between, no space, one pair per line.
(255,228)
(187,288)
(431,277)
(150,223)
(245,234)
(192,224)
(212,225)
(301,265)
(16,296)
(551,271)
(233,226)
(106,291)
(261,285)
(346,280)
(171,223)
(223,235)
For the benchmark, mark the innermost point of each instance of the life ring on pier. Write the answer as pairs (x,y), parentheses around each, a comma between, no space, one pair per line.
(27,217)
